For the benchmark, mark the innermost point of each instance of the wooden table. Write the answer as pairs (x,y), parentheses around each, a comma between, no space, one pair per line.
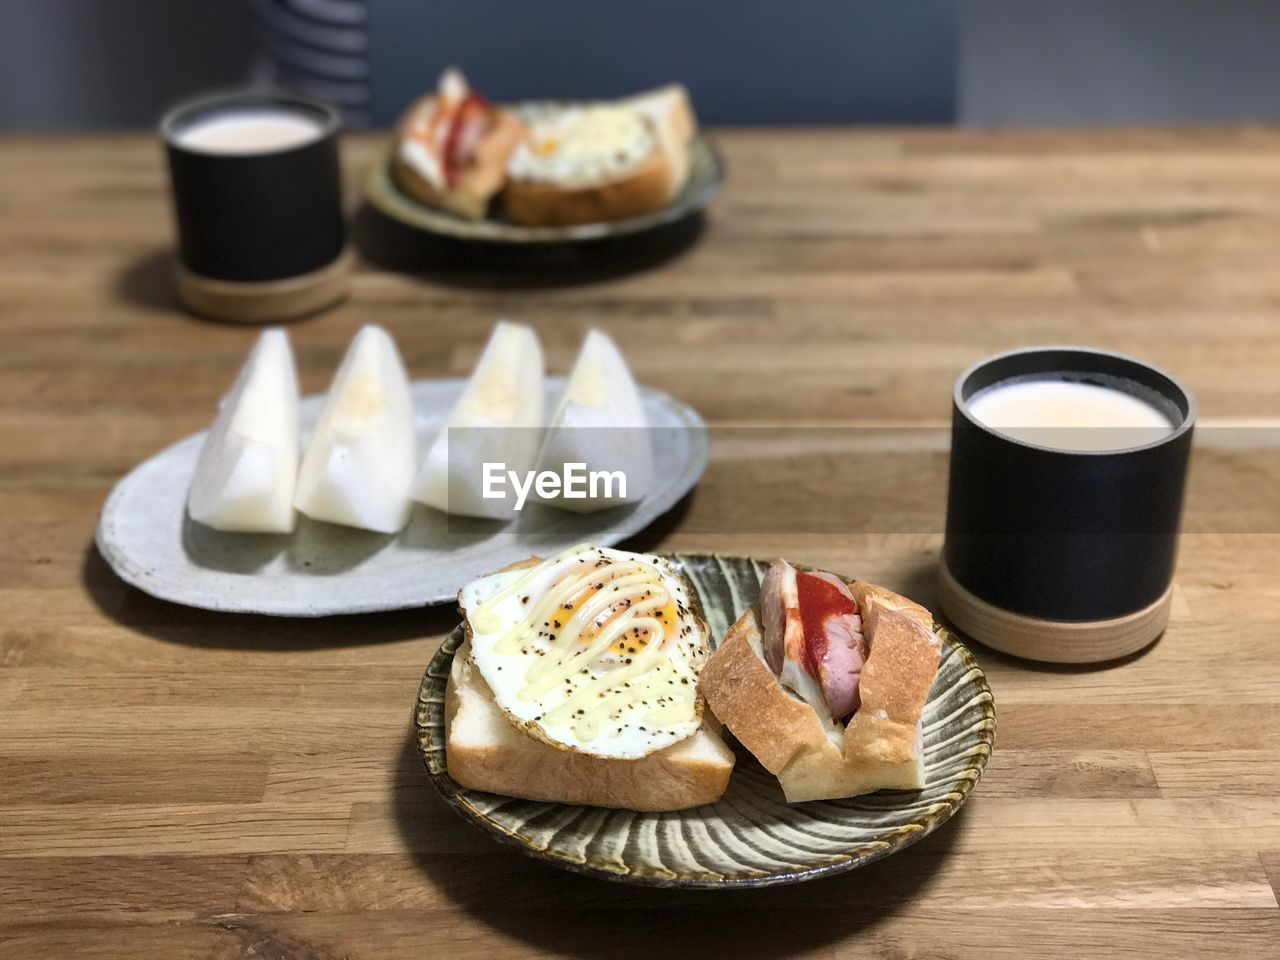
(181,784)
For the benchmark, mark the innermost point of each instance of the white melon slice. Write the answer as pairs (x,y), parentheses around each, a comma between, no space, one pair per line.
(362,455)
(599,423)
(498,419)
(247,468)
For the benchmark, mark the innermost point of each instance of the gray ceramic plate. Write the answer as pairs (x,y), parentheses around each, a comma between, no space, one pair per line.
(750,837)
(706,174)
(322,569)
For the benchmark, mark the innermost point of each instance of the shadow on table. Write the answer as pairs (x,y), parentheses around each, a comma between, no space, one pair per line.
(148,282)
(649,539)
(561,913)
(174,623)
(391,245)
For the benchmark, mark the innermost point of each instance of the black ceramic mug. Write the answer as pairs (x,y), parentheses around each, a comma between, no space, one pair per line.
(1065,554)
(257,196)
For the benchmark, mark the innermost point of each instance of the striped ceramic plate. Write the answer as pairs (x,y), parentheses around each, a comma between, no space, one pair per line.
(706,174)
(749,838)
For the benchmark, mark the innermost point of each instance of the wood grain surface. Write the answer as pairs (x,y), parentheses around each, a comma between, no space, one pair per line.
(180,784)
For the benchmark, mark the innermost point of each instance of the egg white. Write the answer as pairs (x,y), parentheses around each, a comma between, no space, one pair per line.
(579,145)
(631,730)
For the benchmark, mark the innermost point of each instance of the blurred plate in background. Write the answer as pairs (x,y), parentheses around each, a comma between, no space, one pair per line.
(706,174)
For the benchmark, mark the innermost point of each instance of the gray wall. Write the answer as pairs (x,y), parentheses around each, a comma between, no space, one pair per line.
(745,61)
(92,64)
(1120,61)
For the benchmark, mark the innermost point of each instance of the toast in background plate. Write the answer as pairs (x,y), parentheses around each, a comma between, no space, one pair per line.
(590,163)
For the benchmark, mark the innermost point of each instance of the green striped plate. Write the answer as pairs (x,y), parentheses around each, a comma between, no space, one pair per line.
(706,175)
(750,837)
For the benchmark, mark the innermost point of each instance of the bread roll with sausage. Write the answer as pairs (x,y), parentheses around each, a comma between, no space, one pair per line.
(825,683)
(453,147)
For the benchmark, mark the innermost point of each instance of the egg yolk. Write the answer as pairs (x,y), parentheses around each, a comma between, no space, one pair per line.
(633,641)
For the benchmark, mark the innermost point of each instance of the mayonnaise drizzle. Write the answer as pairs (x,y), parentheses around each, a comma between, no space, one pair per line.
(646,675)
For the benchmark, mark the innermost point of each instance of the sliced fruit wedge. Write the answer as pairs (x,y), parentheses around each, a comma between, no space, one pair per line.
(245,475)
(498,419)
(360,461)
(601,425)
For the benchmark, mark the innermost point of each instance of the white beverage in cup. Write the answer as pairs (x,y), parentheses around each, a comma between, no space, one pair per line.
(249,131)
(1070,414)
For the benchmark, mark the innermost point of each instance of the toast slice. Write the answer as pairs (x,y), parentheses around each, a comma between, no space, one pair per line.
(670,114)
(814,757)
(485,751)
(645,188)
(601,162)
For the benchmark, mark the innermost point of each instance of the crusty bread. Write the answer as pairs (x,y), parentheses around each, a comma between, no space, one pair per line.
(645,189)
(812,756)
(485,751)
(477,182)
(670,114)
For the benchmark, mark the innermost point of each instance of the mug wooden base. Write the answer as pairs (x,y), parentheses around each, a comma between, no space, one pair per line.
(1052,641)
(267,301)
